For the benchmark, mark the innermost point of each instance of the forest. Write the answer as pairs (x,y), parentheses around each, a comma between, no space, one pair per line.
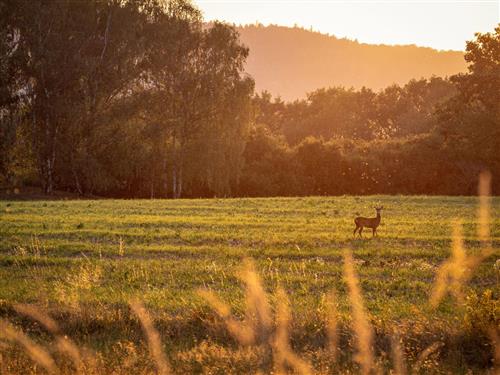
(142,99)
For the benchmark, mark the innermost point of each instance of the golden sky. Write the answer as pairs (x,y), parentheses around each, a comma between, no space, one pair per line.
(441,24)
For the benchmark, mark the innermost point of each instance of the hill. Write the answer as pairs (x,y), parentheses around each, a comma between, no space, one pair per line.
(293,61)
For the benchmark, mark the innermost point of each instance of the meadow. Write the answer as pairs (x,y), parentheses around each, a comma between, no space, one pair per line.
(82,262)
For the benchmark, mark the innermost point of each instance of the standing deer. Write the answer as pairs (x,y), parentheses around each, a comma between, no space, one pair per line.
(369,222)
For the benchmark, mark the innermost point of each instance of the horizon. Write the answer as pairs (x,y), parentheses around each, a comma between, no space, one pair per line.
(375,22)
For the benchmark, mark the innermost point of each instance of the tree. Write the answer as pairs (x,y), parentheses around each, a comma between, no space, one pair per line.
(483,80)
(470,121)
(269,112)
(202,101)
(77,58)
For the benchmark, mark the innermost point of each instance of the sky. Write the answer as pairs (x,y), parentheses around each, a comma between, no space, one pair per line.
(440,24)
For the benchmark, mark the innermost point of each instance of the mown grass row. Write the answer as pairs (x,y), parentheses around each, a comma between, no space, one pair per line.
(83,262)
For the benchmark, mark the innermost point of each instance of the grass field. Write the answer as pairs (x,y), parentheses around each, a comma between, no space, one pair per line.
(83,262)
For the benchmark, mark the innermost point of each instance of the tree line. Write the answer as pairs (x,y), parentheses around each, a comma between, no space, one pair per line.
(143,99)
(126,98)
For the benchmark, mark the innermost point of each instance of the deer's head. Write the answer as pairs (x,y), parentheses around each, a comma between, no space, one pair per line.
(379,209)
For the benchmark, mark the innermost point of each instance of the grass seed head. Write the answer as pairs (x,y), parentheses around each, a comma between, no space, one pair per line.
(361,324)
(283,354)
(398,356)
(36,352)
(241,331)
(484,209)
(332,324)
(153,337)
(63,343)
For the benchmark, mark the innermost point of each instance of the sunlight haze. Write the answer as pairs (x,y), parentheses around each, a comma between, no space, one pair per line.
(249,187)
(445,25)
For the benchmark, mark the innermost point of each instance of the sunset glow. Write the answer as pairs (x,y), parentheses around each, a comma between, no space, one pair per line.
(249,187)
(437,24)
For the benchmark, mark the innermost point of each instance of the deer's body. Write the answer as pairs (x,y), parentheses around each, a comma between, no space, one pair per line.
(368,222)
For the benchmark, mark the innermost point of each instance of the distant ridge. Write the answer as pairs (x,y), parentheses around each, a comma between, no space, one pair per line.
(293,61)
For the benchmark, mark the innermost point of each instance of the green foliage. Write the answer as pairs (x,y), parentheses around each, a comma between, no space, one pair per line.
(469,122)
(117,95)
(482,312)
(269,168)
(431,136)
(337,112)
(134,99)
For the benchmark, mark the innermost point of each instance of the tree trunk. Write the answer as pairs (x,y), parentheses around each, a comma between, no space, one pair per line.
(179,182)
(78,186)
(49,181)
(50,160)
(152,191)
(166,175)
(176,177)
(174,181)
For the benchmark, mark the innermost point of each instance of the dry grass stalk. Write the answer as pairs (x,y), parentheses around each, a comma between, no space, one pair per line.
(332,325)
(71,290)
(282,351)
(484,210)
(153,337)
(32,312)
(484,218)
(258,311)
(455,272)
(241,331)
(256,326)
(63,343)
(424,355)
(36,352)
(258,322)
(36,246)
(398,357)
(121,247)
(361,325)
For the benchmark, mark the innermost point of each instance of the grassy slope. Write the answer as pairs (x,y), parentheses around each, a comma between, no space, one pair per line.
(172,248)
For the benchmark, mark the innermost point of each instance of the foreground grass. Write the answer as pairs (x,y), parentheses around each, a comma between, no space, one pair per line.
(84,261)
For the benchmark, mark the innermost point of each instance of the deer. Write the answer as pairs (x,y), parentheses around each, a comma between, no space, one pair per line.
(369,222)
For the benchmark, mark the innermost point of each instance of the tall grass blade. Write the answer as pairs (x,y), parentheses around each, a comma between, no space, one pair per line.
(398,357)
(283,354)
(361,325)
(484,209)
(424,355)
(63,343)
(258,312)
(36,352)
(153,337)
(256,326)
(452,274)
(332,325)
(241,331)
(455,272)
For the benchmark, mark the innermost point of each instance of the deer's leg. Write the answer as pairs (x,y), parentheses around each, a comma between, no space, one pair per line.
(373,232)
(355,229)
(360,231)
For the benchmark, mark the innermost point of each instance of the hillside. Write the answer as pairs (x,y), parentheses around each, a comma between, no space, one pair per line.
(292,61)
